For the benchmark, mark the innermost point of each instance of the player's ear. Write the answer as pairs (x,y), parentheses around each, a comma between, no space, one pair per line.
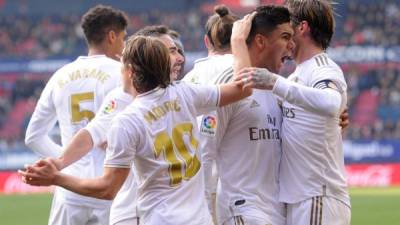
(131,71)
(304,26)
(111,36)
(206,42)
(259,41)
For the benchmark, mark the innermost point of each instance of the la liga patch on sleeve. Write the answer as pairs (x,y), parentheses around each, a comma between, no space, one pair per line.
(110,107)
(208,125)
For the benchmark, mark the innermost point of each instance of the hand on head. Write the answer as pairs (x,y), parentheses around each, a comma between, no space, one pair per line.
(241,28)
(41,173)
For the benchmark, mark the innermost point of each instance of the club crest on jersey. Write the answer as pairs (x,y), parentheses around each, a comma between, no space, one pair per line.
(208,125)
(110,107)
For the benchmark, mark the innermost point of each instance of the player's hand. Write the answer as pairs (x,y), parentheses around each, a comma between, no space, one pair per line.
(241,28)
(344,119)
(42,173)
(258,78)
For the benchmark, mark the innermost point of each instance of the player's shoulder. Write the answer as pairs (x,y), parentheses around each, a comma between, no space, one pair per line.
(322,65)
(224,76)
(115,101)
(128,117)
(322,62)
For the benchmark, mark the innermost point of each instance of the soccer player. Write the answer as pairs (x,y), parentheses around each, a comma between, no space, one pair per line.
(245,137)
(312,172)
(71,97)
(217,40)
(123,209)
(156,134)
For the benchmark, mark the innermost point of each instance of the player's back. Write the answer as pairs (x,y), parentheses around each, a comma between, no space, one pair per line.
(206,69)
(163,125)
(312,160)
(77,91)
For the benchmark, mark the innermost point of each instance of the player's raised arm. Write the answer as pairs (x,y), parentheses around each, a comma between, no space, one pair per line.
(240,33)
(234,90)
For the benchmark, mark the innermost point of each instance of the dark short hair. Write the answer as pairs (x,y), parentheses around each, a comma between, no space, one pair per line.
(153,31)
(150,61)
(219,28)
(318,14)
(99,20)
(267,18)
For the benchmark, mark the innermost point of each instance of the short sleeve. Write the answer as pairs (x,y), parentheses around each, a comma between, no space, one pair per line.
(121,145)
(205,98)
(115,102)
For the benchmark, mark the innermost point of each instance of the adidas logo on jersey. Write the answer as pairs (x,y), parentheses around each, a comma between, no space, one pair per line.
(254,103)
(321,60)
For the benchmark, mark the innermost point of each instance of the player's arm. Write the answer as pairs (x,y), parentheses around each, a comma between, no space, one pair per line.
(324,98)
(240,32)
(231,92)
(120,154)
(79,146)
(42,121)
(95,132)
(106,187)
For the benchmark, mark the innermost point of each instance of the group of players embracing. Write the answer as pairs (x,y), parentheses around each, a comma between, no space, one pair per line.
(231,143)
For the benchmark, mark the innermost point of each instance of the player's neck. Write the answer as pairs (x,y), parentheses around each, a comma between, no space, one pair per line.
(100,50)
(307,52)
(129,89)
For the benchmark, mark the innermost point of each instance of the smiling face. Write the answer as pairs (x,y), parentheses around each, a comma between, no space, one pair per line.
(176,58)
(279,45)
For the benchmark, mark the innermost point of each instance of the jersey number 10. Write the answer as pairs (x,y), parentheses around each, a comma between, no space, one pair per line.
(176,153)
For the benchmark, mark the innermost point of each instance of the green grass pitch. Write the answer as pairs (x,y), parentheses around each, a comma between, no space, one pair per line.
(370,206)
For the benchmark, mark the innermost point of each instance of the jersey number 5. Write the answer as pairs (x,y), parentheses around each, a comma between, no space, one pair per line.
(77,114)
(182,165)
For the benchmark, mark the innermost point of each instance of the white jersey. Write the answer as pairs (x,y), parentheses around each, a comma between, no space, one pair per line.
(312,160)
(157,133)
(205,71)
(124,205)
(246,139)
(71,97)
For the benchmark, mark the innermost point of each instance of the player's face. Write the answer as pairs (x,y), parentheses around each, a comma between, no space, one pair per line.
(176,58)
(279,47)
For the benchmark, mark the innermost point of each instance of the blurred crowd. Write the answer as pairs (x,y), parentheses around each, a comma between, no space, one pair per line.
(374,94)
(55,36)
(374,103)
(373,23)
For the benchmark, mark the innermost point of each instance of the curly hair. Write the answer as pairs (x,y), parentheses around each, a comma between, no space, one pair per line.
(99,20)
